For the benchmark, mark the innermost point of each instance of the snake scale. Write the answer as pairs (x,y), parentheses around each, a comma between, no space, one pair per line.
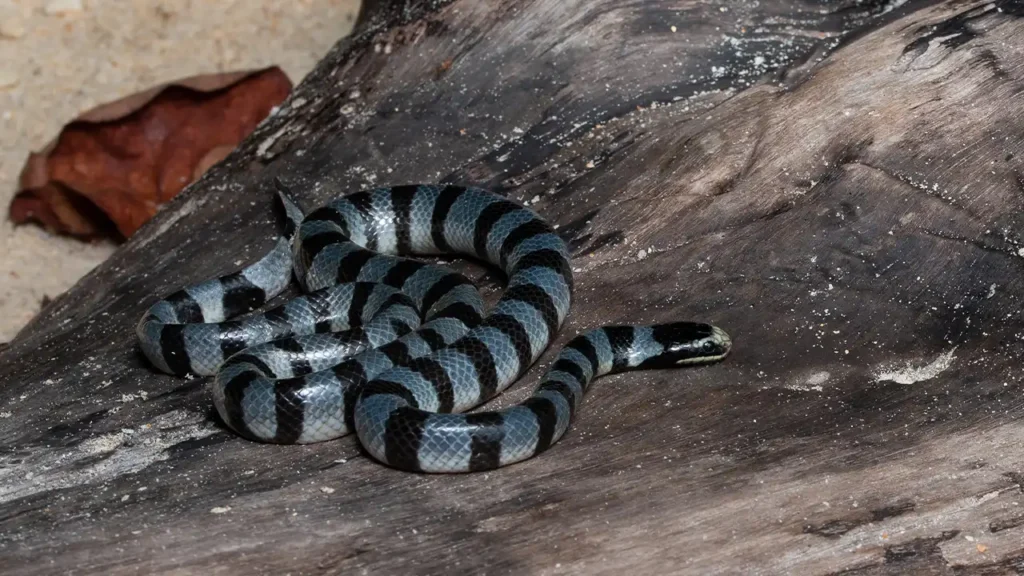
(397,349)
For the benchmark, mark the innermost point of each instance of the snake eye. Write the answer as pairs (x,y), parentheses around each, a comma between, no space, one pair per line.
(709,346)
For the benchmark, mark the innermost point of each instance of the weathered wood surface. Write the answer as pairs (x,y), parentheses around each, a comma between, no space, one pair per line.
(838,184)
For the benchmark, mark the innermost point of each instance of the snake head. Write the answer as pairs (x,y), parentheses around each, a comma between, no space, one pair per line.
(688,343)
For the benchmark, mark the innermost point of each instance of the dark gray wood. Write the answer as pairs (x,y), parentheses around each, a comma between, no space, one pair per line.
(838,184)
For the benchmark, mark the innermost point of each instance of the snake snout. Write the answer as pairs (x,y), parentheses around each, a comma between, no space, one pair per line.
(723,340)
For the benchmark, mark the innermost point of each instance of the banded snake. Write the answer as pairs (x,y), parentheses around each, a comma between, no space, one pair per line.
(397,349)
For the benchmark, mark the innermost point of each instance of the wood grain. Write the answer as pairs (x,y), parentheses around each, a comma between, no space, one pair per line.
(838,184)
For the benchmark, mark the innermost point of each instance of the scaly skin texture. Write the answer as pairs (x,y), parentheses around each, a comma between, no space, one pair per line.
(396,349)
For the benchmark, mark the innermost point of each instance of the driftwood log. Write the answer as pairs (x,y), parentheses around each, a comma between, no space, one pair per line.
(838,184)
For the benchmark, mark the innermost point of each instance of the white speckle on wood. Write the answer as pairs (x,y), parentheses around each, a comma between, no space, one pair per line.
(813,383)
(819,378)
(141,395)
(911,374)
(261,150)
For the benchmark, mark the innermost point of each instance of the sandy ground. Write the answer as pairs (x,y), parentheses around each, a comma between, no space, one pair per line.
(59,58)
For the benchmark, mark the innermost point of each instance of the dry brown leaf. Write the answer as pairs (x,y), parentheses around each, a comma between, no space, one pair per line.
(111,168)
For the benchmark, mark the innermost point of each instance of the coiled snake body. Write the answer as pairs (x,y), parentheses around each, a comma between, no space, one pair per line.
(395,348)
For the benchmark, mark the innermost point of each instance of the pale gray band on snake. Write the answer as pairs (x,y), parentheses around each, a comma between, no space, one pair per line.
(395,349)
